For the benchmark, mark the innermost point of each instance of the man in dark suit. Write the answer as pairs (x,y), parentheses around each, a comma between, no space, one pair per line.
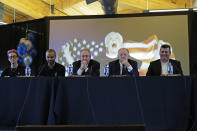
(51,68)
(86,66)
(123,66)
(159,67)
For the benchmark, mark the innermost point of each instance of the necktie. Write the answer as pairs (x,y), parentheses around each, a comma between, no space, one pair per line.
(124,70)
(83,73)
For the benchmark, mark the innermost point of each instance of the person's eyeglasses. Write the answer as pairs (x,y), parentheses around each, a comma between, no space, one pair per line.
(12,56)
(85,56)
(123,54)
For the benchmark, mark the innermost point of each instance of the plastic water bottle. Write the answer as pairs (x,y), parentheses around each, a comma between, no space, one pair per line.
(106,70)
(170,69)
(66,71)
(28,71)
(1,71)
(70,69)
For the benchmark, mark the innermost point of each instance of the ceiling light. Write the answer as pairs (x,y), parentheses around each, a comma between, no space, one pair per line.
(167,10)
(3,23)
(194,9)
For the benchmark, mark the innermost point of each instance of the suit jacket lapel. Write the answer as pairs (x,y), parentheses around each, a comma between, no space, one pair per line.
(89,67)
(159,66)
(118,67)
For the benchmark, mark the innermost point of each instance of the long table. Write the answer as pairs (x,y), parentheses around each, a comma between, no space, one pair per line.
(161,103)
(25,101)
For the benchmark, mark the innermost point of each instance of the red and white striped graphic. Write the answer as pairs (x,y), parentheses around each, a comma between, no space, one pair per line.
(146,51)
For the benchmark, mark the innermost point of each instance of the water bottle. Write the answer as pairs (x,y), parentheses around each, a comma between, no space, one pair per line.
(28,71)
(1,71)
(66,71)
(106,70)
(70,69)
(170,69)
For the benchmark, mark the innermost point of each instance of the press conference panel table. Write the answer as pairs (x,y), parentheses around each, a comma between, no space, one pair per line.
(161,103)
(25,101)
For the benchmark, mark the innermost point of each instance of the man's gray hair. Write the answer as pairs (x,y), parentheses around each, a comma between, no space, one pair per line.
(123,49)
(85,50)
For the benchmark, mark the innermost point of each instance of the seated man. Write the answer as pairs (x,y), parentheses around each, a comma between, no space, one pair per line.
(86,66)
(123,66)
(15,69)
(159,67)
(51,68)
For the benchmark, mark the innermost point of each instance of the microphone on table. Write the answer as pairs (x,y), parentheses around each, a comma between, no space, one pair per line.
(41,69)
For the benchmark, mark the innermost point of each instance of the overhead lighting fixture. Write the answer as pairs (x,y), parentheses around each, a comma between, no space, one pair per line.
(167,10)
(3,23)
(90,1)
(194,9)
(109,6)
(52,7)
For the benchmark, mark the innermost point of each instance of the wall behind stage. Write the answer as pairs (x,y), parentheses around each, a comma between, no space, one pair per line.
(143,36)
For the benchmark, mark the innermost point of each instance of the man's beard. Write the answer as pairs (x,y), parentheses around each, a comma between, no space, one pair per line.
(165,58)
(51,62)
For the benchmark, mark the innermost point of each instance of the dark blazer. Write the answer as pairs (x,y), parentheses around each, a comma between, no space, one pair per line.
(93,68)
(19,71)
(154,68)
(114,68)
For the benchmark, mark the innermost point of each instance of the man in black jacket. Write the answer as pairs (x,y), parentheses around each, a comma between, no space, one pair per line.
(159,67)
(51,68)
(86,66)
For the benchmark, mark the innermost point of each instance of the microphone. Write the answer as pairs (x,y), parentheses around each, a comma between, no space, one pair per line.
(41,69)
(179,72)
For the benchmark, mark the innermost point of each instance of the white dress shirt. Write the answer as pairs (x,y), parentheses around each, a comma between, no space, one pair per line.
(164,67)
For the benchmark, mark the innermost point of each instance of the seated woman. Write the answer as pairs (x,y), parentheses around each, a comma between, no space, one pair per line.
(15,69)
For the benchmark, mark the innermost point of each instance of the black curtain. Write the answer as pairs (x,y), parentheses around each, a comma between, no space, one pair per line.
(192,23)
(11,34)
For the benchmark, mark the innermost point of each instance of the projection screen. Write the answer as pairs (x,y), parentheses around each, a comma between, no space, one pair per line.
(142,35)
